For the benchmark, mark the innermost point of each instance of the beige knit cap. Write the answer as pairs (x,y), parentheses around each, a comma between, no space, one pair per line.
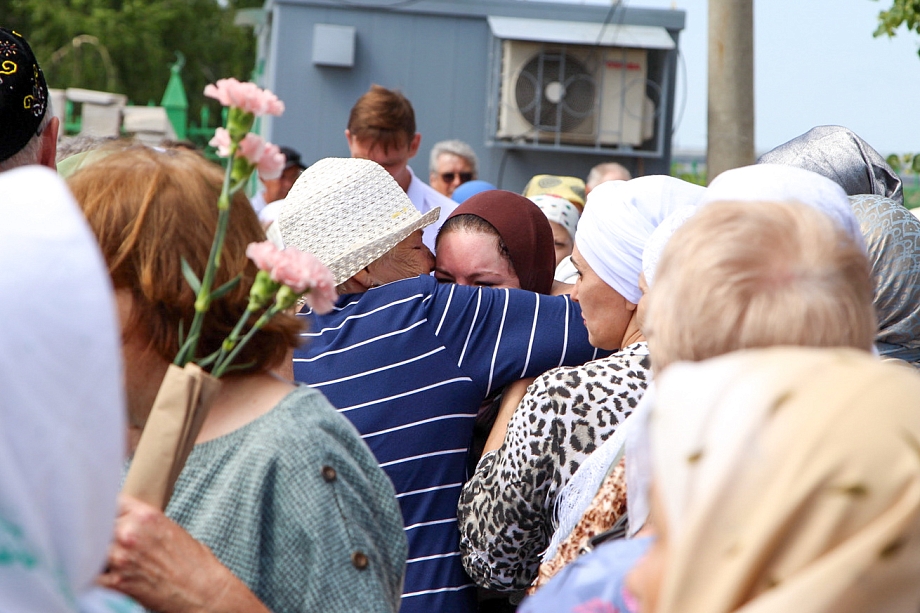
(348,212)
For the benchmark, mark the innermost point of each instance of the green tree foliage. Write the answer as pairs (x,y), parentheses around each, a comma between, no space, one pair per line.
(902,12)
(127,46)
(907,13)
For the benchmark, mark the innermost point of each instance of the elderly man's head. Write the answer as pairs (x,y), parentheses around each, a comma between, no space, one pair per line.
(742,275)
(28,129)
(354,217)
(452,163)
(608,171)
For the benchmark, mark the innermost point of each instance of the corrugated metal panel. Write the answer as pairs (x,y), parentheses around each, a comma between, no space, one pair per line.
(581,33)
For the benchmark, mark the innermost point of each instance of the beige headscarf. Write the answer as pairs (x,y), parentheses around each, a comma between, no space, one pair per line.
(790,481)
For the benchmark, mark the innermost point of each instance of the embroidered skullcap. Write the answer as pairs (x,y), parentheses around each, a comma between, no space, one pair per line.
(558,210)
(619,218)
(570,188)
(23,94)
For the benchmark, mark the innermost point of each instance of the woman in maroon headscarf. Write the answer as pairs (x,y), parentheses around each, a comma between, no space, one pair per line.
(497,239)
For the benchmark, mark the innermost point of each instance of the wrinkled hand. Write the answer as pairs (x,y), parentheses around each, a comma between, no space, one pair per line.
(153,560)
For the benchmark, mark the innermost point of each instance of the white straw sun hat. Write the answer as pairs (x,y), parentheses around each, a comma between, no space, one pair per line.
(348,212)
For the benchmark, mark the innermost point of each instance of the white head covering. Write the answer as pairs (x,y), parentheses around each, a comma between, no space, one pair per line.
(558,210)
(619,218)
(761,182)
(790,481)
(778,182)
(62,415)
(660,237)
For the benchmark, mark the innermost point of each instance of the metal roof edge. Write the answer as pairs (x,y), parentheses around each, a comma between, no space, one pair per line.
(673,20)
(581,33)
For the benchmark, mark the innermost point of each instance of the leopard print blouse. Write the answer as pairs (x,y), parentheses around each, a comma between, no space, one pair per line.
(505,513)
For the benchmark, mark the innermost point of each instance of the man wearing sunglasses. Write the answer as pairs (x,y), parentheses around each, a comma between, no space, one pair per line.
(452,163)
(381,128)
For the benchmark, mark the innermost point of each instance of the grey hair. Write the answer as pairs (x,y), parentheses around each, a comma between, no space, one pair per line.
(72,145)
(454,147)
(31,151)
(597,174)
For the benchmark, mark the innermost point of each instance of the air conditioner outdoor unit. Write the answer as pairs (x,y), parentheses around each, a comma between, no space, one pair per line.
(574,94)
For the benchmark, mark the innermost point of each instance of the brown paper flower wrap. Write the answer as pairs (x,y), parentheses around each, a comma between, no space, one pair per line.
(180,408)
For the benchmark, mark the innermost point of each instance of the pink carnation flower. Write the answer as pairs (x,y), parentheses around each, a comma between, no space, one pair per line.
(245,96)
(264,156)
(221,142)
(322,295)
(264,254)
(295,269)
(303,272)
(252,147)
(271,162)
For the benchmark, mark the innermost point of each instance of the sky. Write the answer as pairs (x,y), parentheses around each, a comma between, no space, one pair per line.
(815,63)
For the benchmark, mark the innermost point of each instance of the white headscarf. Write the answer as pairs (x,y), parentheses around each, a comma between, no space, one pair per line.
(790,481)
(62,415)
(619,218)
(761,182)
(778,182)
(660,237)
(558,210)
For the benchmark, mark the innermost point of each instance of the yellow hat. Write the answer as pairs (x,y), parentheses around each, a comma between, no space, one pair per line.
(570,188)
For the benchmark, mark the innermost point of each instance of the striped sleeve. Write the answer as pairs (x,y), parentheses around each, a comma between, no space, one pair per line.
(501,335)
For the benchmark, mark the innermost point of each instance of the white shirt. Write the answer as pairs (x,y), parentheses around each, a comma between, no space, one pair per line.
(258,201)
(425,198)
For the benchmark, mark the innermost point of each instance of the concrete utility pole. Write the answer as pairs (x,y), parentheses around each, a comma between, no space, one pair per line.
(731,86)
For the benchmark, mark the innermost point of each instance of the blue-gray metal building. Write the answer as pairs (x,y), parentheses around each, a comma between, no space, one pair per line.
(534,87)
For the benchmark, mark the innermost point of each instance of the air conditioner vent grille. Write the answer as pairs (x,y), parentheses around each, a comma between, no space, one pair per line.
(567,95)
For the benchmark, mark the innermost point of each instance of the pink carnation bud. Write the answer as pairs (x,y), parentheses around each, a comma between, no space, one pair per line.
(221,142)
(264,254)
(245,96)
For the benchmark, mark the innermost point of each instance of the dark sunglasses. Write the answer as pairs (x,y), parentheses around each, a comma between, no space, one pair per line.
(448,177)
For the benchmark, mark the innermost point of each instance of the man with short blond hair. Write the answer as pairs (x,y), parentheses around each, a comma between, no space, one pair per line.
(28,129)
(381,128)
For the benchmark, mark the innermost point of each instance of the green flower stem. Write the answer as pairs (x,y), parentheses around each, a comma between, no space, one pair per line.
(231,341)
(221,366)
(203,300)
